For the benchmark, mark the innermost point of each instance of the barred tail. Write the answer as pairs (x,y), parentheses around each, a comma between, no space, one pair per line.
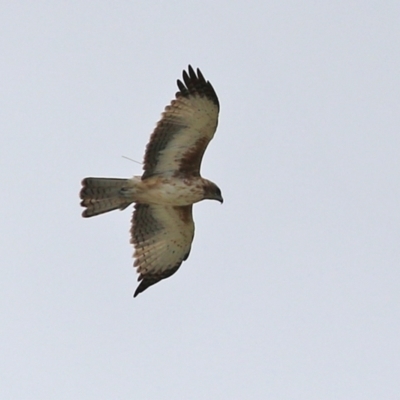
(100,195)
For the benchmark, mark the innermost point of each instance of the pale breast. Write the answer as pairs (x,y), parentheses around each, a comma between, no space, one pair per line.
(170,191)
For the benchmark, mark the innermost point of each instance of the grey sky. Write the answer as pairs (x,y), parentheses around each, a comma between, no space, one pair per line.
(291,290)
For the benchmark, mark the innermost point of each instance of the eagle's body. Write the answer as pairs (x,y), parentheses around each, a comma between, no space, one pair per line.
(162,225)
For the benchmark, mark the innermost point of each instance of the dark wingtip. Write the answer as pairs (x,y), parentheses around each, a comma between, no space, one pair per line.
(144,284)
(196,84)
(150,280)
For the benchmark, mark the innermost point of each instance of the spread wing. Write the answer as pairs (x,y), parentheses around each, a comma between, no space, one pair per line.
(162,237)
(177,145)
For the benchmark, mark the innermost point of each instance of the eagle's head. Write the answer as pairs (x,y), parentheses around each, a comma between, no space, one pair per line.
(212,191)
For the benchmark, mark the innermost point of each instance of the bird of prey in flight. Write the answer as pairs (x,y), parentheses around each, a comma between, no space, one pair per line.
(162,223)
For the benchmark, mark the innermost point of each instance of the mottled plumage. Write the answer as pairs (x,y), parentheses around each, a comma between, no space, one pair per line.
(162,224)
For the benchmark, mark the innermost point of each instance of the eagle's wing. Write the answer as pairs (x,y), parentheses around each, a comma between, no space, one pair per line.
(187,125)
(162,237)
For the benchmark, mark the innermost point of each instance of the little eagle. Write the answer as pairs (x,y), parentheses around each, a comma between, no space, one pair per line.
(162,228)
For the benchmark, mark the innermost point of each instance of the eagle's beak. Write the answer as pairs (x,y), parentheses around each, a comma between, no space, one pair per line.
(220,199)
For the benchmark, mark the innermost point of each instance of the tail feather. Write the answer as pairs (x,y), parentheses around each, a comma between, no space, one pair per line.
(100,195)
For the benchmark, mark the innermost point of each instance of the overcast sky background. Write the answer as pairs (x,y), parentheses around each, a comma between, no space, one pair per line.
(291,290)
